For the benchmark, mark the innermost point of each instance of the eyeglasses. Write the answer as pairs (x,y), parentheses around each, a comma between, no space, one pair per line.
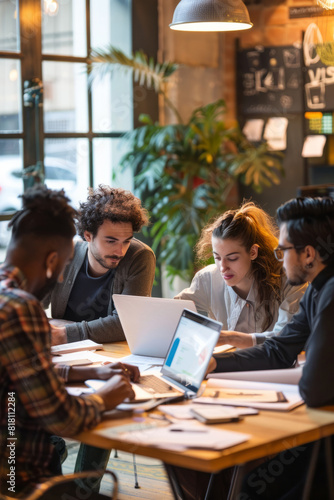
(279,252)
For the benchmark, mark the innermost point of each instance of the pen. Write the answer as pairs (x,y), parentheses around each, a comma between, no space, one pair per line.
(184,430)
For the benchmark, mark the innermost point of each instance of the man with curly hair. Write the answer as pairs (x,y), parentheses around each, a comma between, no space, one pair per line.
(109,260)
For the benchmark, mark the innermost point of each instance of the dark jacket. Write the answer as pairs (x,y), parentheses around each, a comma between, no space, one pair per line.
(312,330)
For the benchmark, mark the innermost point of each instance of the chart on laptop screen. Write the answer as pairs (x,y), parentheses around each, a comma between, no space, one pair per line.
(190,351)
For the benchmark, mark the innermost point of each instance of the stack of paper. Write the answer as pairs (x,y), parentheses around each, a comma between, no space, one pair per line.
(290,392)
(81,345)
(184,412)
(82,358)
(284,376)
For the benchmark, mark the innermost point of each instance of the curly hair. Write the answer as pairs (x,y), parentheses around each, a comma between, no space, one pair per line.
(112,204)
(250,225)
(45,213)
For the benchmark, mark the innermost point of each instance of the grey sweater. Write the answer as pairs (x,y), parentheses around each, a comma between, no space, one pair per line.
(134,276)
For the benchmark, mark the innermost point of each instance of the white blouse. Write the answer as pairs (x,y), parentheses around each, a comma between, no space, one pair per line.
(218,301)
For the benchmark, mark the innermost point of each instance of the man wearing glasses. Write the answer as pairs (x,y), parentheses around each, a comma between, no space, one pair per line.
(306,247)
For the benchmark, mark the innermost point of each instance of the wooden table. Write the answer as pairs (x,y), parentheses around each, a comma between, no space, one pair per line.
(271,432)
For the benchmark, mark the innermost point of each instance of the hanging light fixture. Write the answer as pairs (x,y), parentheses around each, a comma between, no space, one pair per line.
(51,7)
(211,15)
(326,4)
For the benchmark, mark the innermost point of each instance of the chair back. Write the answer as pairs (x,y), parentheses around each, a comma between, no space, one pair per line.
(68,485)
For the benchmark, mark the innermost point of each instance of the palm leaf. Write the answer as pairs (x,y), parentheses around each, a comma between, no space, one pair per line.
(145,70)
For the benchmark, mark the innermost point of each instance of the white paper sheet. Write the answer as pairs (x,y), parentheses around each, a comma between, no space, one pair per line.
(133,359)
(183,412)
(290,391)
(78,390)
(275,133)
(313,146)
(183,435)
(253,129)
(81,345)
(92,356)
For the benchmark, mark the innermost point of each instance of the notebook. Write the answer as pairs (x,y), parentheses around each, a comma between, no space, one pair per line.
(149,322)
(185,363)
(80,345)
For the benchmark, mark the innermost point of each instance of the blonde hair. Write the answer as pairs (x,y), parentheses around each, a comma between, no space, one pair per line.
(250,225)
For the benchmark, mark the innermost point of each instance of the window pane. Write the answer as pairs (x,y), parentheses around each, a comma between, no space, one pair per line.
(64,28)
(66,167)
(112,103)
(106,157)
(112,97)
(11,183)
(65,97)
(111,23)
(10,96)
(9,39)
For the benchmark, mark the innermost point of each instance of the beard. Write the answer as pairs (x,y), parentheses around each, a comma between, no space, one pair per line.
(103,262)
(298,277)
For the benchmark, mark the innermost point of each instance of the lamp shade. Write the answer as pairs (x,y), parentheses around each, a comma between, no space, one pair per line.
(211,15)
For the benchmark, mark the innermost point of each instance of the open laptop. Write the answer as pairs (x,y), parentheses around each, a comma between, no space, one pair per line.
(149,322)
(186,361)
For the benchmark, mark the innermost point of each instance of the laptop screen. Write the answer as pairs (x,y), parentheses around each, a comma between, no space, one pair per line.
(191,349)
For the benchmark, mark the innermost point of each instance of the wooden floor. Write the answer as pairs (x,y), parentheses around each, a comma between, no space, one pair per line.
(153,483)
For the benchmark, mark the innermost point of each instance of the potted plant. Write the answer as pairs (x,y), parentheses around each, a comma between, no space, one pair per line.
(184,171)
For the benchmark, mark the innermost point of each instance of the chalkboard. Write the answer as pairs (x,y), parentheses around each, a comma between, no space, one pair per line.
(319,86)
(270,80)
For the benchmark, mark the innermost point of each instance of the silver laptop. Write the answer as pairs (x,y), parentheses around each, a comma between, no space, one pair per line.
(185,364)
(149,322)
(186,361)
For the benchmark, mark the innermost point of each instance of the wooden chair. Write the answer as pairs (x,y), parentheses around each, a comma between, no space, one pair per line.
(67,488)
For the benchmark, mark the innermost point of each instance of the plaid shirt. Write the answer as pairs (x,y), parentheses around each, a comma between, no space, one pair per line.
(33,400)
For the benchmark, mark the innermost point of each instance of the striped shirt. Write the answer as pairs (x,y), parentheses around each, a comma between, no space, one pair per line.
(34,403)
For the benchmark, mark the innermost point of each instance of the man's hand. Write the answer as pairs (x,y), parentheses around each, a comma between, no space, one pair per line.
(59,322)
(58,335)
(115,391)
(106,371)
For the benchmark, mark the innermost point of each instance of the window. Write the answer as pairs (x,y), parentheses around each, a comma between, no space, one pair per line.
(48,116)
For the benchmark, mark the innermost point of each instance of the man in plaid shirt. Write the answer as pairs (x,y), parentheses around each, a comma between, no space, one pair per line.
(34,403)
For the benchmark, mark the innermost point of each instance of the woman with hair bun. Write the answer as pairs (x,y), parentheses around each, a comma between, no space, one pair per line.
(246,288)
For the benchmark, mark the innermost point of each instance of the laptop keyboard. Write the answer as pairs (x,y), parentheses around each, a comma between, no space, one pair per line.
(151,383)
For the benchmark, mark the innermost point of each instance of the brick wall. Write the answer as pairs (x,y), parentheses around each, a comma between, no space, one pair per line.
(208,73)
(207,60)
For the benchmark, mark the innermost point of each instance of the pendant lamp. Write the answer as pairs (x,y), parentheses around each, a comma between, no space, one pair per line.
(211,15)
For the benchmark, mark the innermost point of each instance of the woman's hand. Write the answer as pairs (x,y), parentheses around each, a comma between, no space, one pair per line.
(237,339)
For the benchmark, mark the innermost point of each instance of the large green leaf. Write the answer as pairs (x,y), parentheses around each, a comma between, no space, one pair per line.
(145,70)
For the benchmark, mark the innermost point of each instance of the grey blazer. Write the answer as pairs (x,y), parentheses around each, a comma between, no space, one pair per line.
(134,276)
